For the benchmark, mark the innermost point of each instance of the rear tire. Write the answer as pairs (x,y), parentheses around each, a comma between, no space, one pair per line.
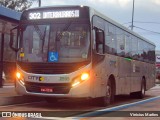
(109,96)
(140,94)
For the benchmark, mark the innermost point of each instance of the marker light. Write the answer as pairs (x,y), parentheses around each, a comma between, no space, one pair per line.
(75,83)
(18,75)
(84,76)
(80,79)
(81,5)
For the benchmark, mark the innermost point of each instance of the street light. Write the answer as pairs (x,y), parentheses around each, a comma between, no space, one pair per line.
(132,16)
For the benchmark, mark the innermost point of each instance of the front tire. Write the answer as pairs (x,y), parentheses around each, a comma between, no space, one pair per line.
(109,96)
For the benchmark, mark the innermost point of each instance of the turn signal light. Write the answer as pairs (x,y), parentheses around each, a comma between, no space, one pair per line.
(18,75)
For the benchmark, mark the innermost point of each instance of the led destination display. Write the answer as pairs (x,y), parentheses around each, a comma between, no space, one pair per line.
(54,14)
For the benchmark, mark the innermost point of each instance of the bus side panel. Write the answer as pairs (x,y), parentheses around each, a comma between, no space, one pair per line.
(102,71)
(111,68)
(99,79)
(124,73)
(136,75)
(150,82)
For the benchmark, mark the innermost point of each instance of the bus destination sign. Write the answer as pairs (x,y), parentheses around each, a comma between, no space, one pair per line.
(54,14)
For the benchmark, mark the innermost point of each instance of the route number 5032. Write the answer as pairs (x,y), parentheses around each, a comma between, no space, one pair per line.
(34,15)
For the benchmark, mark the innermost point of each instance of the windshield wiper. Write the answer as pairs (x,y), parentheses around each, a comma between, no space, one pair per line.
(42,36)
(38,31)
(59,35)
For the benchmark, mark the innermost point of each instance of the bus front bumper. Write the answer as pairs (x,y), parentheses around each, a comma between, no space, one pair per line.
(81,91)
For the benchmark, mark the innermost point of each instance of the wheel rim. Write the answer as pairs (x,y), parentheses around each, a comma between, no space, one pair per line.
(108,93)
(143,90)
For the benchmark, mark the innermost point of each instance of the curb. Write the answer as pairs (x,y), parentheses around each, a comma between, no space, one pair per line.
(8,96)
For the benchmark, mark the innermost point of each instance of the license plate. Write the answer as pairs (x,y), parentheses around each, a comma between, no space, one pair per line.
(49,90)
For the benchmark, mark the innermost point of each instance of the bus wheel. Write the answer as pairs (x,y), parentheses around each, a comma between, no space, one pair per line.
(109,96)
(51,100)
(140,94)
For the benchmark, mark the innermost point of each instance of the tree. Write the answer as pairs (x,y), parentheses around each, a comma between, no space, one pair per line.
(18,5)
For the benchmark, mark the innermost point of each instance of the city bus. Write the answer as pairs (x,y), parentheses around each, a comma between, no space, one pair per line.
(76,52)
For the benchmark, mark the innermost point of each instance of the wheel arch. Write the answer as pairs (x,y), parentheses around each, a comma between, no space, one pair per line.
(113,82)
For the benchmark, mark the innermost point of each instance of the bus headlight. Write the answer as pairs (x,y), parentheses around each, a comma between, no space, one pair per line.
(18,75)
(83,77)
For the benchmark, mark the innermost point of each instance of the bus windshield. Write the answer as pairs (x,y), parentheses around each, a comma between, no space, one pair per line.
(65,42)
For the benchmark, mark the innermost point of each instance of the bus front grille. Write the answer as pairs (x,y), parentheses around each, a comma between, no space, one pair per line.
(57,88)
(50,68)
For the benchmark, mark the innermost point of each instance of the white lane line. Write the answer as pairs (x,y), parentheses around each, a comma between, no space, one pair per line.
(8,86)
(103,111)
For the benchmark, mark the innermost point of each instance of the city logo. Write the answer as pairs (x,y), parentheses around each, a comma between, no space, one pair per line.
(41,78)
(36,78)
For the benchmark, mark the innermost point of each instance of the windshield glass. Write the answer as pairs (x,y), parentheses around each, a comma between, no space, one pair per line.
(62,43)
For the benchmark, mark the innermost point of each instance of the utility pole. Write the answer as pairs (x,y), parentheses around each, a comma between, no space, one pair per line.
(132,16)
(39,1)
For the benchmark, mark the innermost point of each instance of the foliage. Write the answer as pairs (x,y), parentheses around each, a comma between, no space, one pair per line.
(18,5)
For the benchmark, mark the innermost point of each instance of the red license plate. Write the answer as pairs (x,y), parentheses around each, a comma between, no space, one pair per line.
(47,90)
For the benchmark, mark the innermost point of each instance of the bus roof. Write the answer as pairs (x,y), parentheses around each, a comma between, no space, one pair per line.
(58,6)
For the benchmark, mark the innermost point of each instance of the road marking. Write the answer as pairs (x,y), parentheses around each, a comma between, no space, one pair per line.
(21,104)
(8,86)
(103,111)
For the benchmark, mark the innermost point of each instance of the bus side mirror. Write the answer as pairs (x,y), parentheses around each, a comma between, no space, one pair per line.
(99,37)
(12,40)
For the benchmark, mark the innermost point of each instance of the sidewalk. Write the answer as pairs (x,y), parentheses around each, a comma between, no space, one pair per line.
(8,90)
(8,96)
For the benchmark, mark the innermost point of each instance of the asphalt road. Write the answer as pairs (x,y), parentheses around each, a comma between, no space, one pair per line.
(76,108)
